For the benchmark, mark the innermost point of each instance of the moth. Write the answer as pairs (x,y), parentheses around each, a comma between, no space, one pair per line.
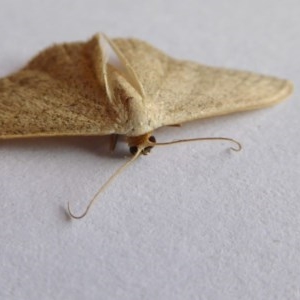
(123,87)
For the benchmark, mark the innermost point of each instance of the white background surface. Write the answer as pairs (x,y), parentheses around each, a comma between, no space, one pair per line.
(192,221)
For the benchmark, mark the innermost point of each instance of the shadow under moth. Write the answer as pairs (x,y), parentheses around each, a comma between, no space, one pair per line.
(123,87)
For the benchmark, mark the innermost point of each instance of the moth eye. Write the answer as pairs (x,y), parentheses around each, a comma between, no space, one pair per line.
(152,139)
(133,150)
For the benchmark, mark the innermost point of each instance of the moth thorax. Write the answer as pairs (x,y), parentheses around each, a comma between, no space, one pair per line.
(138,113)
(144,142)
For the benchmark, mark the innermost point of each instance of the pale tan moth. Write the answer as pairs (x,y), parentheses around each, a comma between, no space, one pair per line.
(78,89)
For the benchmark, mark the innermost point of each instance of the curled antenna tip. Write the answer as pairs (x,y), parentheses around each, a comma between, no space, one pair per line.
(238,146)
(74,216)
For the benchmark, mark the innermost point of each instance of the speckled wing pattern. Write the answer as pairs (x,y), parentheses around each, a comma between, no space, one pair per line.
(63,91)
(182,91)
(58,93)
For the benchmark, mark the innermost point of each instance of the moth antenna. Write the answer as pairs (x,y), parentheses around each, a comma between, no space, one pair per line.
(104,186)
(237,144)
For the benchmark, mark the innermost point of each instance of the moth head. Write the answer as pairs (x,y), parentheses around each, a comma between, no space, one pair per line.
(144,143)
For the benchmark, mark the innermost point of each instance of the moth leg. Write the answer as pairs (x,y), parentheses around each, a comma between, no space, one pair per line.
(113,142)
(175,125)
